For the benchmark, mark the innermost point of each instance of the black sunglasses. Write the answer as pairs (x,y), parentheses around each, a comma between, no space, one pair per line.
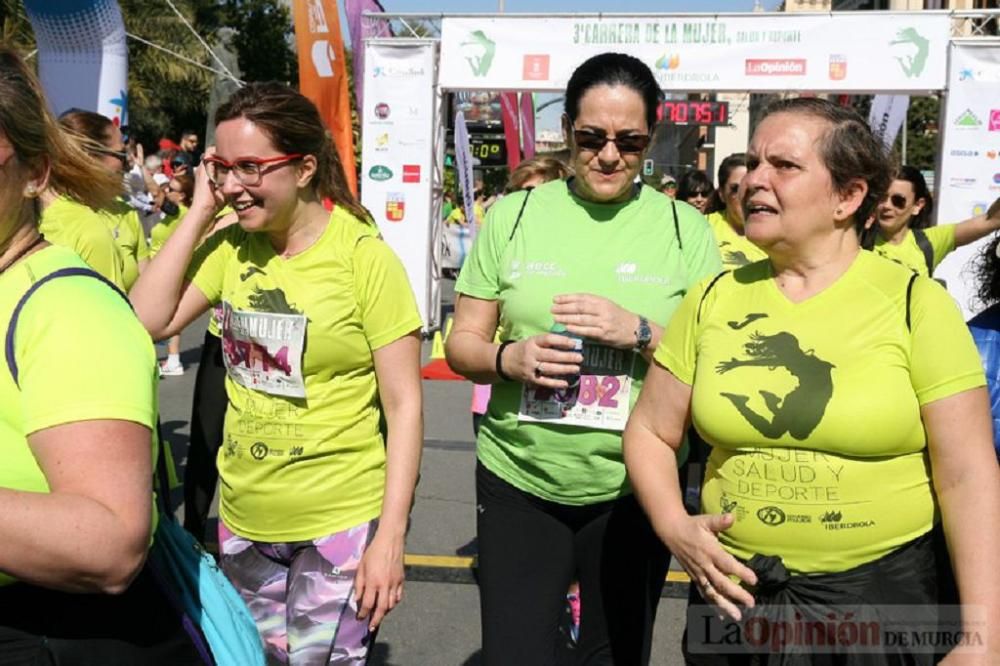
(897,200)
(121,155)
(595,141)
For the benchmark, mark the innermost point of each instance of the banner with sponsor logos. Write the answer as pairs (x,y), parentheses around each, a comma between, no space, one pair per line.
(850,52)
(396,148)
(82,56)
(969,178)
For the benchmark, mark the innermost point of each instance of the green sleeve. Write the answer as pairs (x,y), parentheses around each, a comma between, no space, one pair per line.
(142,246)
(943,357)
(700,249)
(677,351)
(105,368)
(383,292)
(97,247)
(480,276)
(207,269)
(942,239)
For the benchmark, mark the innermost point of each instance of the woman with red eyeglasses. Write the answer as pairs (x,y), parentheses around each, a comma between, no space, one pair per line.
(902,226)
(320,338)
(579,276)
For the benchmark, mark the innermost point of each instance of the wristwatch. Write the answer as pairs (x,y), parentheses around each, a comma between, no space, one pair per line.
(643,334)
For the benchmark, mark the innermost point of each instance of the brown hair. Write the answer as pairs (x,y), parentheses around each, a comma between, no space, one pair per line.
(187,187)
(37,140)
(548,168)
(849,150)
(294,126)
(92,129)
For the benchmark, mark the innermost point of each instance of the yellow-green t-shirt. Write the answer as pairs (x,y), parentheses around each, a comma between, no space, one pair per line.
(163,230)
(908,253)
(70,224)
(81,355)
(813,409)
(736,250)
(302,455)
(123,222)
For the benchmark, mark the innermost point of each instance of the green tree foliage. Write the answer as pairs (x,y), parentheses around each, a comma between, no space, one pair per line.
(264,34)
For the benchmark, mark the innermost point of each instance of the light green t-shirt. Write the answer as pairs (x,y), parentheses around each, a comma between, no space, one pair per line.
(123,222)
(81,355)
(70,224)
(303,456)
(908,253)
(736,250)
(812,409)
(627,253)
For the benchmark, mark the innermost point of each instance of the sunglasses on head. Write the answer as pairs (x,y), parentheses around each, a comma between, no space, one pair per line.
(897,200)
(626,144)
(121,155)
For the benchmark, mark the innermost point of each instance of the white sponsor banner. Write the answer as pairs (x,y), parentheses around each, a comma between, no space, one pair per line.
(969,179)
(396,149)
(82,56)
(887,115)
(855,52)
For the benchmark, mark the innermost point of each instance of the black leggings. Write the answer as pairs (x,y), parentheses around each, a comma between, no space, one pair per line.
(208,415)
(41,627)
(529,552)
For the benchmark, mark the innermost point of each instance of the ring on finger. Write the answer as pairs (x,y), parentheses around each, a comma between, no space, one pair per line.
(538,369)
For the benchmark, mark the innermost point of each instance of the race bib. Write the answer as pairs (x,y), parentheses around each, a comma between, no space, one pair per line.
(600,399)
(263,351)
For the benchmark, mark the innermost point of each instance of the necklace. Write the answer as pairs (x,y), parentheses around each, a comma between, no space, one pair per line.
(23,251)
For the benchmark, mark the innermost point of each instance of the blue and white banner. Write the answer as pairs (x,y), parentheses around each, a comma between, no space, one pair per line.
(82,56)
(463,160)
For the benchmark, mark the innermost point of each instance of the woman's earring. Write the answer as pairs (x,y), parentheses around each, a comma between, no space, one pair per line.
(31,191)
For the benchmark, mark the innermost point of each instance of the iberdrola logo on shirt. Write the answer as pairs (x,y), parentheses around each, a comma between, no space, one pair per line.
(796,413)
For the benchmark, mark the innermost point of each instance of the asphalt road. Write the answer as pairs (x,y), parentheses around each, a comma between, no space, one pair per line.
(438,622)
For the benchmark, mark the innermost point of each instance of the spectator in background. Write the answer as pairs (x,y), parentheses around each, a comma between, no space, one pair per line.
(101,139)
(668,185)
(985,326)
(696,189)
(189,146)
(726,215)
(536,171)
(904,231)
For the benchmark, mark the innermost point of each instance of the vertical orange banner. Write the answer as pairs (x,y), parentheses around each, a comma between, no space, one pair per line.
(323,74)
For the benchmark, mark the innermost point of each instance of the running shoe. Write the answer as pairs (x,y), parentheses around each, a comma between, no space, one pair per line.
(167,370)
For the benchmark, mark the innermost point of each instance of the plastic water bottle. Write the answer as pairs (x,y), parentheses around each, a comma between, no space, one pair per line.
(572,380)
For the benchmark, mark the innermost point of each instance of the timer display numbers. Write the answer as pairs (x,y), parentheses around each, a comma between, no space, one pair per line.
(693,112)
(488,150)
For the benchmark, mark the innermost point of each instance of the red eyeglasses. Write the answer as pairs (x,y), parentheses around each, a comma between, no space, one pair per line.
(248,170)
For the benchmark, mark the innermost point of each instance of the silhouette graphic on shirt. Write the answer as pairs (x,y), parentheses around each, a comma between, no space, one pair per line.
(271,300)
(797,413)
(749,319)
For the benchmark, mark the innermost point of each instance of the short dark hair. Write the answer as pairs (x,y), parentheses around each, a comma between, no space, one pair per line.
(912,175)
(694,182)
(726,169)
(849,150)
(986,269)
(614,69)
(189,132)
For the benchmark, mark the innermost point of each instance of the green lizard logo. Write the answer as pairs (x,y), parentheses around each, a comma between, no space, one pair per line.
(912,64)
(479,52)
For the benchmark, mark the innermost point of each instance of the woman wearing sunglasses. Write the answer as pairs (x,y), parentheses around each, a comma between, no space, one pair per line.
(902,228)
(695,188)
(580,275)
(320,338)
(104,237)
(726,215)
